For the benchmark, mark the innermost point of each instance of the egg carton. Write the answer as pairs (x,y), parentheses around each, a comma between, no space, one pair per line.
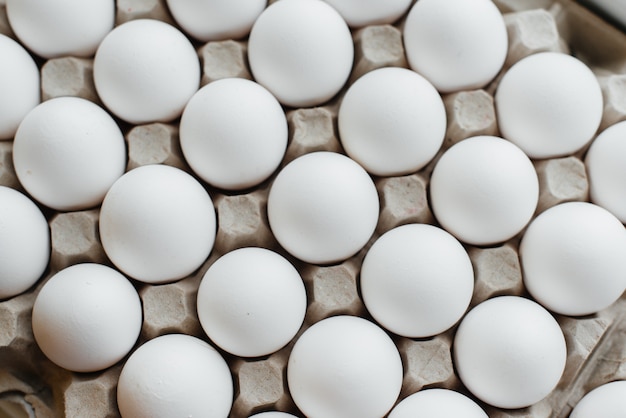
(32,386)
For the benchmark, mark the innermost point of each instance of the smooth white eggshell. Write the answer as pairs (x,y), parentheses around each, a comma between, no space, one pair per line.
(344,366)
(484,190)
(509,352)
(55,28)
(19,84)
(323,207)
(67,152)
(359,13)
(251,302)
(175,375)
(301,51)
(233,133)
(24,243)
(87,317)
(572,256)
(214,20)
(392,121)
(606,170)
(437,403)
(157,224)
(145,71)
(549,104)
(451,50)
(272,414)
(417,280)
(606,401)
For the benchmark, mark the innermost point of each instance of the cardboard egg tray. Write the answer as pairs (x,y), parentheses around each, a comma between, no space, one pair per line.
(32,386)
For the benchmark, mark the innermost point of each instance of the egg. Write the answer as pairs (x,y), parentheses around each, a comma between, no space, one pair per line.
(87,317)
(606,171)
(344,366)
(359,13)
(484,190)
(392,121)
(451,50)
(56,28)
(549,104)
(273,414)
(572,257)
(509,352)
(233,133)
(301,51)
(214,20)
(251,302)
(417,280)
(322,207)
(175,375)
(157,224)
(437,403)
(19,84)
(606,401)
(24,243)
(67,152)
(146,71)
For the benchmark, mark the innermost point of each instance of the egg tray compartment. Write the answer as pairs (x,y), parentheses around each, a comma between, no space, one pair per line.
(32,386)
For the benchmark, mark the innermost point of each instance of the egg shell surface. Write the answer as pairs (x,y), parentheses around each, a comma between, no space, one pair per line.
(417,280)
(572,256)
(344,366)
(358,13)
(175,375)
(392,121)
(251,302)
(323,207)
(87,317)
(606,401)
(214,20)
(549,104)
(67,153)
(233,133)
(437,403)
(146,71)
(56,28)
(301,51)
(24,243)
(157,224)
(509,352)
(452,51)
(484,190)
(19,84)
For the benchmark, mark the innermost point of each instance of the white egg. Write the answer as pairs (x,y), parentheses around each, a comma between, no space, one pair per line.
(417,280)
(437,403)
(606,401)
(344,366)
(509,352)
(56,28)
(573,259)
(19,84)
(214,20)
(451,50)
(157,224)
(175,375)
(146,71)
(549,104)
(87,317)
(251,302)
(484,190)
(233,133)
(301,51)
(606,170)
(67,152)
(392,121)
(359,13)
(323,207)
(24,243)
(272,414)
